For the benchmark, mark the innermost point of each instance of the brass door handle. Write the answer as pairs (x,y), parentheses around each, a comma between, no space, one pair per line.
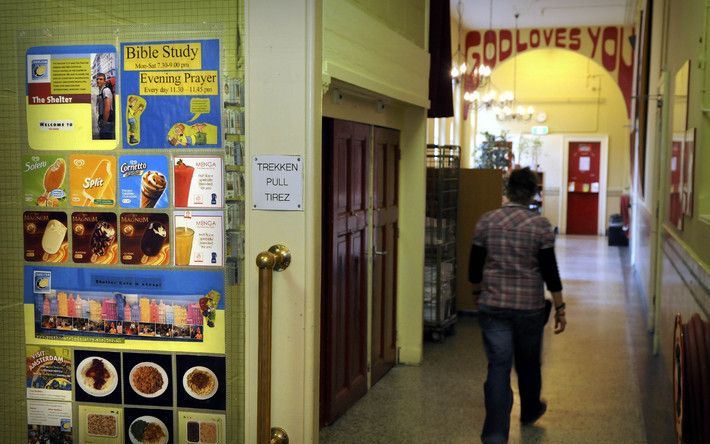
(278,436)
(277,258)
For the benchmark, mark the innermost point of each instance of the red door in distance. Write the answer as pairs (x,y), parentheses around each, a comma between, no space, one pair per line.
(583,188)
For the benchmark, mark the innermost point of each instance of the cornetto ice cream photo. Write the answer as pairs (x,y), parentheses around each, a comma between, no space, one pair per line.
(143,182)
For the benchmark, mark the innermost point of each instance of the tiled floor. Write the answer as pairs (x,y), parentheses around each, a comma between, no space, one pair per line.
(601,382)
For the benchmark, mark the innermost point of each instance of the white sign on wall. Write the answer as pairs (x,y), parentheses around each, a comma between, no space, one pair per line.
(277,183)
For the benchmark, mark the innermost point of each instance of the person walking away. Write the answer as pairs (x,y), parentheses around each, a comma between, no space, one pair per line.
(511,257)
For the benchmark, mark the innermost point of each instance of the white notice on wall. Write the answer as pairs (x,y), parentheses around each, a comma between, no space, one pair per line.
(584,163)
(277,183)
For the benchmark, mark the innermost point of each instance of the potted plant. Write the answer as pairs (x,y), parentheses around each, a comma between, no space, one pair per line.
(495,152)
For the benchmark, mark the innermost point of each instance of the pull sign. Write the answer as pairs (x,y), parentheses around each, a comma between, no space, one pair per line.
(277,183)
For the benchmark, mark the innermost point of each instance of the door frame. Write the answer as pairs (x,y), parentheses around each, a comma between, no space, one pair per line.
(361,105)
(603,141)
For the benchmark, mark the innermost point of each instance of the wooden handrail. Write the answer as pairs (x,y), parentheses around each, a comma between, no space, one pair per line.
(277,258)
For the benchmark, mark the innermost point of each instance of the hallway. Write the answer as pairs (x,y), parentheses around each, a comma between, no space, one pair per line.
(600,380)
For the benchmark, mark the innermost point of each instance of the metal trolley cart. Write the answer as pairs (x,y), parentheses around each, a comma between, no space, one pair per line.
(440,240)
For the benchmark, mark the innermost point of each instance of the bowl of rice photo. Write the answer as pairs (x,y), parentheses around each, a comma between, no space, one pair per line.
(148,379)
(200,382)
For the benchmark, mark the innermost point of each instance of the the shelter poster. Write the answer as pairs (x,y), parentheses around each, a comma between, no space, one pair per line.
(65,87)
(171,94)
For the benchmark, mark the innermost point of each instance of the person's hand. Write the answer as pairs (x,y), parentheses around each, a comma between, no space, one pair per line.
(476,292)
(560,321)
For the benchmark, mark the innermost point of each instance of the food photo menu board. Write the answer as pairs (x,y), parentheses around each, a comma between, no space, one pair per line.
(124,230)
(146,382)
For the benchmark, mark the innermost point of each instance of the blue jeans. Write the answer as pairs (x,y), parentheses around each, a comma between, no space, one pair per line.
(510,335)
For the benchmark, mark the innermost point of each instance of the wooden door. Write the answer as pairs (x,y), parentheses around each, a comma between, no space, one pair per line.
(583,188)
(344,289)
(488,186)
(384,251)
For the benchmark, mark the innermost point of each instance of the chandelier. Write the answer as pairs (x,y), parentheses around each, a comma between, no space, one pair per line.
(484,96)
(458,66)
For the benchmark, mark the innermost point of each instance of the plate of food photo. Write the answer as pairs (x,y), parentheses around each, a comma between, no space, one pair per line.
(200,382)
(148,379)
(97,376)
(148,430)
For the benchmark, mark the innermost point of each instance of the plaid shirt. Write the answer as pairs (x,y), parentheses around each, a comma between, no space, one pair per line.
(512,236)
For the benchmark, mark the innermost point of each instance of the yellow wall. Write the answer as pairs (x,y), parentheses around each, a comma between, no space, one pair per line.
(405,17)
(578,96)
(283,117)
(363,51)
(580,99)
(296,50)
(688,27)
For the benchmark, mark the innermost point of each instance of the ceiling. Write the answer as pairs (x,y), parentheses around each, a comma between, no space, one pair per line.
(476,14)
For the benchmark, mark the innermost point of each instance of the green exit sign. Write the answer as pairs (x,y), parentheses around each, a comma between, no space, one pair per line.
(540,130)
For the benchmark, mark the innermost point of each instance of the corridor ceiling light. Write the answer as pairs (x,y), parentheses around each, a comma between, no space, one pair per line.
(458,63)
(508,109)
(481,73)
(502,105)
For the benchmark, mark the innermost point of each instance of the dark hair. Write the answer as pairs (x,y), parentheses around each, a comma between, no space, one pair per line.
(101,75)
(521,185)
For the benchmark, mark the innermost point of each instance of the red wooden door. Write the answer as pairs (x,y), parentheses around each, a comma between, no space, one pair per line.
(385,232)
(583,188)
(344,286)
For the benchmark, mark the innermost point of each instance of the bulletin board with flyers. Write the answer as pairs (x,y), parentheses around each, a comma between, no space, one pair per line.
(132,195)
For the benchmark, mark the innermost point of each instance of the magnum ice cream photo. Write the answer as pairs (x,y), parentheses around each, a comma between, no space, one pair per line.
(198,182)
(143,181)
(145,238)
(199,238)
(92,180)
(94,238)
(45,236)
(44,181)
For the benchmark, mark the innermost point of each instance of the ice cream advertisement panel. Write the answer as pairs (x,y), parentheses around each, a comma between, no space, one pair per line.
(143,182)
(44,181)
